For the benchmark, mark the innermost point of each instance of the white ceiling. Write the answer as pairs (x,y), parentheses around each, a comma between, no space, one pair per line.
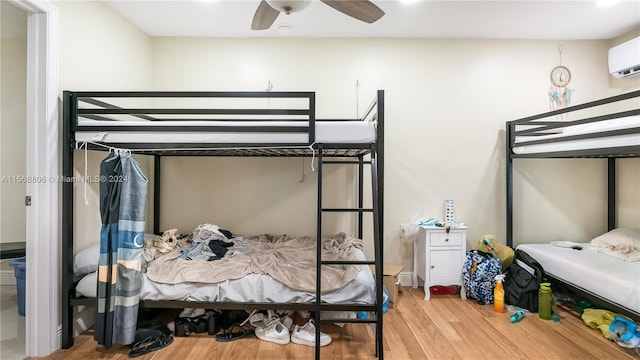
(517,19)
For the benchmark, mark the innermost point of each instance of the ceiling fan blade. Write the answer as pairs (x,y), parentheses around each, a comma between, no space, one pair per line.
(264,17)
(363,10)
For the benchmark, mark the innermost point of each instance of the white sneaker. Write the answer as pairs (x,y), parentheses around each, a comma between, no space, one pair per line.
(306,335)
(274,332)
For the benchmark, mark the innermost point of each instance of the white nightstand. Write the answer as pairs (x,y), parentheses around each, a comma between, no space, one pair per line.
(438,256)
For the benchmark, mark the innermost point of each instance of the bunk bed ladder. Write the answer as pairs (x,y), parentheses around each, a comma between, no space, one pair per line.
(375,311)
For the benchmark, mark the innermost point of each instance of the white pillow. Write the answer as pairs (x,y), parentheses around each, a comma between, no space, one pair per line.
(86,260)
(619,240)
(88,285)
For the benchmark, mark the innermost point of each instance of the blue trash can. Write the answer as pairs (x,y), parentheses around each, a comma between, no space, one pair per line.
(20,268)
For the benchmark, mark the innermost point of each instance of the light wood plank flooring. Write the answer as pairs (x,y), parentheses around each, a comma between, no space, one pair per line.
(445,327)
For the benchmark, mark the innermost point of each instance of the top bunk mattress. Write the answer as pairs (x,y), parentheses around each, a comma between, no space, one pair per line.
(597,142)
(327,132)
(611,278)
(236,123)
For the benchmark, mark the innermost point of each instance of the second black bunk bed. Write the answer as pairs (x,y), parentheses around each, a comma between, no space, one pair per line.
(255,124)
(608,129)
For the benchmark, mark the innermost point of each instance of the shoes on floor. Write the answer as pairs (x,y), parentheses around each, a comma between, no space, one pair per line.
(274,332)
(258,319)
(192,312)
(150,337)
(234,332)
(150,344)
(306,335)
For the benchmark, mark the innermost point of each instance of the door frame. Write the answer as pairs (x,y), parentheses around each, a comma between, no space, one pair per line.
(42,305)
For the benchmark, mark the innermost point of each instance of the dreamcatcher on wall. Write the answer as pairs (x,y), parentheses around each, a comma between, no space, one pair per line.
(559,92)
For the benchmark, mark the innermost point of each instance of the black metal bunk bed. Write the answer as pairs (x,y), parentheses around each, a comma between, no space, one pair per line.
(295,116)
(548,135)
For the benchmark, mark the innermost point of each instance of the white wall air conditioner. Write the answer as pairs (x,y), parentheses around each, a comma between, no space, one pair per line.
(624,59)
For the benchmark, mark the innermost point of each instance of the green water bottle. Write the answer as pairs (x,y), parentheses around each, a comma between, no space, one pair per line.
(544,301)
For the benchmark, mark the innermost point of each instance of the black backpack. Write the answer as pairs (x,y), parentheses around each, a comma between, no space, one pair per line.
(522,282)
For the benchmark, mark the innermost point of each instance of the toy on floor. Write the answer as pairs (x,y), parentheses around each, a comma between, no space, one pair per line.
(518,313)
(625,332)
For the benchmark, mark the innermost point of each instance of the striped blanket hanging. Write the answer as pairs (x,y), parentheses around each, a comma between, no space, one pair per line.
(123,194)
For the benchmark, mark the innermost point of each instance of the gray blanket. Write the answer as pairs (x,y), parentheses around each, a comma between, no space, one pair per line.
(289,260)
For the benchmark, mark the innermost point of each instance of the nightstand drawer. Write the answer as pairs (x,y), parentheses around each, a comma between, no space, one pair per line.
(453,238)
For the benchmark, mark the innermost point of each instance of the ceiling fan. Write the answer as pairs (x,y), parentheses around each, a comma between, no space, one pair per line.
(268,10)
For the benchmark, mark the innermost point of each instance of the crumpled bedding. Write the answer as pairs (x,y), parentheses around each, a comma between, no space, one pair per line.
(289,260)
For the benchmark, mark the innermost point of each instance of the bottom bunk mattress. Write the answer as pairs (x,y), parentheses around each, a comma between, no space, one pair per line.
(257,286)
(611,278)
(260,288)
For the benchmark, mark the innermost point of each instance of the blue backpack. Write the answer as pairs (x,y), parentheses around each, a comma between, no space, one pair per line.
(479,275)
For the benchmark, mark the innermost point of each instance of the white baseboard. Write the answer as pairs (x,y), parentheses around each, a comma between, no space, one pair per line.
(405,278)
(8,277)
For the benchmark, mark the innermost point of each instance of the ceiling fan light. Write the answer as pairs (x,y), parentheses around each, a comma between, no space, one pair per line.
(284,29)
(289,6)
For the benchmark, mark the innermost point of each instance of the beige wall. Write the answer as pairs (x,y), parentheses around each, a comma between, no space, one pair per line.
(13,93)
(447,102)
(629,169)
(99,50)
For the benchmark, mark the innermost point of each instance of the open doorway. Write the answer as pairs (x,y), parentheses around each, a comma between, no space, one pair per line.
(13,160)
(38,173)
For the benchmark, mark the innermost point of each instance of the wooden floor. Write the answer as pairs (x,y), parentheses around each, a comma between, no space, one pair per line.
(445,327)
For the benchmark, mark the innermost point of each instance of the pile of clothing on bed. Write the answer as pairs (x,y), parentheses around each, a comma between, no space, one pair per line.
(213,255)
(207,242)
(210,255)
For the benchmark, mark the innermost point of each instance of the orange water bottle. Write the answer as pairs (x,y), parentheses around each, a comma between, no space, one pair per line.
(498,295)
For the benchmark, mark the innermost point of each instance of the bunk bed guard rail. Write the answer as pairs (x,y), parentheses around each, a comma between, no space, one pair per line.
(115,117)
(607,128)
